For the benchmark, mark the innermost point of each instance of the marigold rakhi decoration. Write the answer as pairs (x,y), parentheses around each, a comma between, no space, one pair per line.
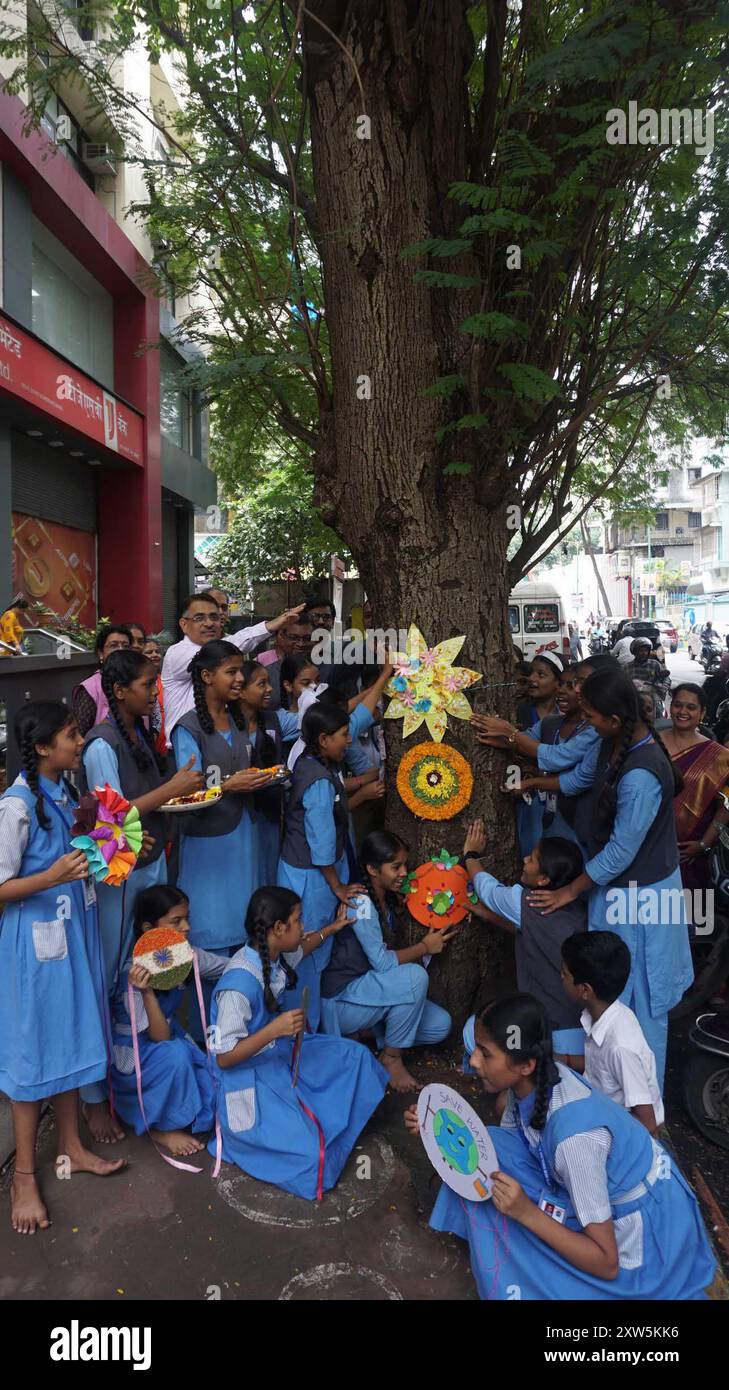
(109,832)
(439,893)
(166,954)
(434,781)
(427,687)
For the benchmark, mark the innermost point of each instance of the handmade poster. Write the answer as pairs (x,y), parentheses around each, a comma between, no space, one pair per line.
(166,954)
(434,780)
(109,832)
(427,687)
(439,893)
(457,1142)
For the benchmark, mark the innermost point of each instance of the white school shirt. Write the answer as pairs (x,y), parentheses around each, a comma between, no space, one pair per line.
(176,679)
(618,1060)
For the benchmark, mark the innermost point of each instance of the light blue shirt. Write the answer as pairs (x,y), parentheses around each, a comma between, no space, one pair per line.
(319,827)
(505,902)
(102,765)
(579,778)
(560,756)
(368,931)
(639,799)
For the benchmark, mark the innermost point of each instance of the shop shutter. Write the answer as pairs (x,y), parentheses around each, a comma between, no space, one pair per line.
(47,483)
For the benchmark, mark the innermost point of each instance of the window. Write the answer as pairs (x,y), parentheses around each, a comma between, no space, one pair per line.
(72,312)
(81,22)
(72,144)
(175,400)
(541,617)
(661,521)
(514,618)
(694,520)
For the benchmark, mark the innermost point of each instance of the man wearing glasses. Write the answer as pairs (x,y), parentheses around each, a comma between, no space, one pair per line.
(201,621)
(293,638)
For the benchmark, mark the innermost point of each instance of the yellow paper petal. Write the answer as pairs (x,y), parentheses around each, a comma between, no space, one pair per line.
(448,651)
(437,723)
(396,710)
(459,707)
(416,644)
(412,721)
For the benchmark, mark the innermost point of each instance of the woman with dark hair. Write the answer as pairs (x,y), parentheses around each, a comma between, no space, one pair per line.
(632,866)
(701,808)
(368,982)
(120,751)
(585,1204)
(297,1133)
(88,700)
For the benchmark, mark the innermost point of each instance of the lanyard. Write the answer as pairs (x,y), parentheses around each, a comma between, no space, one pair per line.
(57,811)
(548,1179)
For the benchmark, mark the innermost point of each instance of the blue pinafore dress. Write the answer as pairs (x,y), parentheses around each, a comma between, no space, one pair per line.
(297,1138)
(663,1249)
(53,1020)
(178,1088)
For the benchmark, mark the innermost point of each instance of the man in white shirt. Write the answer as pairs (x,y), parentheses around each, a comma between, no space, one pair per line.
(621,651)
(201,621)
(618,1060)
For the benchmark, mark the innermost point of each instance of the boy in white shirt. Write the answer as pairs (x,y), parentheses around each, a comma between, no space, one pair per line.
(618,1060)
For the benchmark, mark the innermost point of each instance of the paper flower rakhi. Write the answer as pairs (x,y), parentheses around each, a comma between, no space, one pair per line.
(427,687)
(439,893)
(110,835)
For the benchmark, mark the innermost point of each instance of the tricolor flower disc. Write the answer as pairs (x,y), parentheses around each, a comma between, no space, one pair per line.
(434,781)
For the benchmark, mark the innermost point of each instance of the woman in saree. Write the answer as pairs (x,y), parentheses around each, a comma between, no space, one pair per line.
(702,806)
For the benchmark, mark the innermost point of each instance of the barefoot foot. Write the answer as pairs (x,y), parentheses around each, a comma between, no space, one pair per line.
(28,1211)
(81,1160)
(104,1129)
(177,1141)
(400,1078)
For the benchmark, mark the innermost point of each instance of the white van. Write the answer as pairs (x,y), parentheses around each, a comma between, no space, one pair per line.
(536,619)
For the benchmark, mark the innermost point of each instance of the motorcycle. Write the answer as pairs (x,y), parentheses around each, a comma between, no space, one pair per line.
(711,654)
(705,1078)
(598,645)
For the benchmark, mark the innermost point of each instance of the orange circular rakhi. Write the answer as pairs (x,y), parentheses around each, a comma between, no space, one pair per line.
(434,781)
(439,893)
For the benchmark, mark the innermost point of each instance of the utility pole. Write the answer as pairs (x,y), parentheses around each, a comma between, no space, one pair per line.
(588,547)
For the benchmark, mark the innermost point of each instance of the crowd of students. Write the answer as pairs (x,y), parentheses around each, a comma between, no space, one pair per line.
(280,908)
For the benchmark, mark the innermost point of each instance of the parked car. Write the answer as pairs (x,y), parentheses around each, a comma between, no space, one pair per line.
(638,627)
(669,634)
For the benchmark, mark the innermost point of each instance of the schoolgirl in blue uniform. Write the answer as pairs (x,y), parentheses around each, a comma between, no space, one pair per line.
(543,685)
(297,1137)
(120,750)
(369,984)
(585,1204)
(53,1022)
(561,743)
(627,827)
(313,862)
(178,1089)
(538,937)
(270,732)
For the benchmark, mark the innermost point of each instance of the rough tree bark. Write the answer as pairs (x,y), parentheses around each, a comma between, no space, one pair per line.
(431,548)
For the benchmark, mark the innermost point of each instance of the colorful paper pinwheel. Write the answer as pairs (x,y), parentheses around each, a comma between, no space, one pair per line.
(427,687)
(110,835)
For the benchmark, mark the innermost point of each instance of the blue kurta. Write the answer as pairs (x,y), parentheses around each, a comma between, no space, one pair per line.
(268,833)
(178,1087)
(653,925)
(318,903)
(265,1128)
(558,757)
(602,1165)
(53,1008)
(529,814)
(391,998)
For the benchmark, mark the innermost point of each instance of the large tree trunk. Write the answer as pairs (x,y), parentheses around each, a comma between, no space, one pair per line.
(431,548)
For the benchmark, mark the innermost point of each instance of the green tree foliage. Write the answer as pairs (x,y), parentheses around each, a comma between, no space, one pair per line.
(274,529)
(588,272)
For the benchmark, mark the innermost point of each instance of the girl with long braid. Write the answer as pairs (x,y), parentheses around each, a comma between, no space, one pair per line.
(232,742)
(631,871)
(370,984)
(297,1136)
(52,994)
(120,750)
(585,1203)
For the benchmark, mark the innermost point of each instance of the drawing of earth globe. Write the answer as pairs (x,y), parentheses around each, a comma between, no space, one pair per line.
(455,1142)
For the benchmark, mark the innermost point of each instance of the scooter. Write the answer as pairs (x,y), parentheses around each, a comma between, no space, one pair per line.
(706,1078)
(711,654)
(598,645)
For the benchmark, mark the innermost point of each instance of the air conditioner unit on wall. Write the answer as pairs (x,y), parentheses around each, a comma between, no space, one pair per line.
(100,159)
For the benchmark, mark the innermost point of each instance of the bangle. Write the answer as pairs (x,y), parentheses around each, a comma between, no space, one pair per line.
(322,937)
(706,849)
(512,737)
